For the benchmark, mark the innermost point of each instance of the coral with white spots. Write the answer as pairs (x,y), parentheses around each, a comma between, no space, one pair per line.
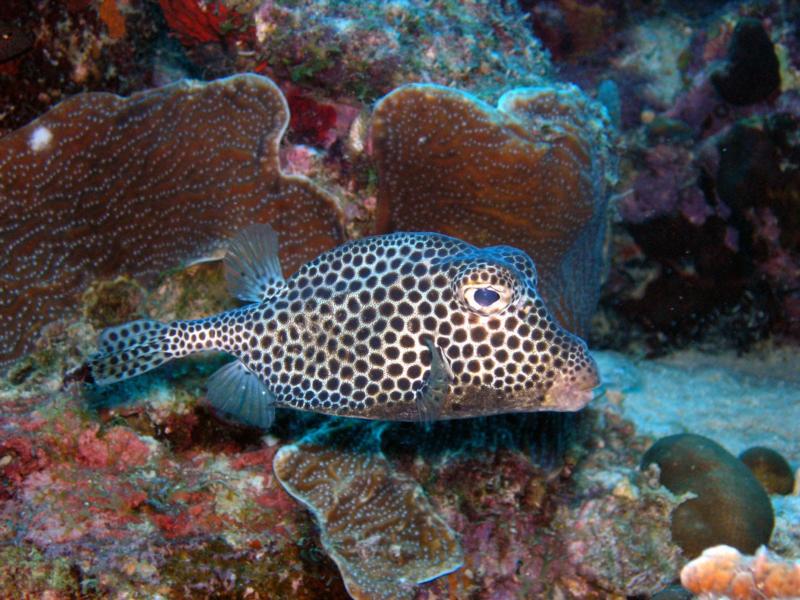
(103,185)
(378,526)
(532,173)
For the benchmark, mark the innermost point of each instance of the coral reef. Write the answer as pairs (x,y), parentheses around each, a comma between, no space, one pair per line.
(770,468)
(379,527)
(361,50)
(102,186)
(620,504)
(722,572)
(704,249)
(214,521)
(72,47)
(593,527)
(531,173)
(729,507)
(140,491)
(107,302)
(154,499)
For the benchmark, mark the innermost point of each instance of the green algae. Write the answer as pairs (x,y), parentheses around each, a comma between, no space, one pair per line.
(214,568)
(26,572)
(319,59)
(196,291)
(112,302)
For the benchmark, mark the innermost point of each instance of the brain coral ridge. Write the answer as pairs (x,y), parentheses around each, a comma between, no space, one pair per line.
(103,185)
(531,173)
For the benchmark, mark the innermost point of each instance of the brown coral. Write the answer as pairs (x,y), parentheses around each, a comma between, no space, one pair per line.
(770,468)
(531,174)
(729,507)
(103,185)
(379,528)
(722,572)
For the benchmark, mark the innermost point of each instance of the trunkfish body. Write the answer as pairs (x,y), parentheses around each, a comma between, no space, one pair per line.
(406,326)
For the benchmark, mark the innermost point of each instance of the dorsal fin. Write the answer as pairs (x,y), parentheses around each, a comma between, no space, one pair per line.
(252,267)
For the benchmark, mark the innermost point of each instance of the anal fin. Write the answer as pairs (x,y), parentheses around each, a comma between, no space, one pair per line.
(252,267)
(431,396)
(236,391)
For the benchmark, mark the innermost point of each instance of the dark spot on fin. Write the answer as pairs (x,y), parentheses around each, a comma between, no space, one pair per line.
(252,267)
(237,392)
(440,376)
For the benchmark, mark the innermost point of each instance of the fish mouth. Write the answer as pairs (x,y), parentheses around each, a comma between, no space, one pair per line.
(567,398)
(566,395)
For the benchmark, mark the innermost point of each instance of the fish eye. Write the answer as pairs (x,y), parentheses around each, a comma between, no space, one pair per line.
(487,299)
(486,296)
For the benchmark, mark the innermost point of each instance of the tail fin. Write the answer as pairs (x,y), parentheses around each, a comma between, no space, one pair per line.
(128,350)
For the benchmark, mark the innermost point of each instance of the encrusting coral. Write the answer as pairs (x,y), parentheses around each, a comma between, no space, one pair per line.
(378,526)
(722,572)
(360,50)
(531,173)
(730,506)
(103,185)
(770,468)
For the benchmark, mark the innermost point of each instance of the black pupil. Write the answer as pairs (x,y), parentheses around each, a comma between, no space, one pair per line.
(486,297)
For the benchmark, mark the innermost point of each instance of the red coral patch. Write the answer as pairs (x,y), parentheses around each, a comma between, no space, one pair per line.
(197,22)
(311,122)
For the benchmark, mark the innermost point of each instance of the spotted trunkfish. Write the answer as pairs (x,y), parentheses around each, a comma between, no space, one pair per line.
(405,326)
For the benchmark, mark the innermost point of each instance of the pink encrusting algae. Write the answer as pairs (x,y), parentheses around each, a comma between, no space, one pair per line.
(723,572)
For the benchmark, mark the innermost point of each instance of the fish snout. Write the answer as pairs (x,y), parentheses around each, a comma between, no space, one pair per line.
(574,388)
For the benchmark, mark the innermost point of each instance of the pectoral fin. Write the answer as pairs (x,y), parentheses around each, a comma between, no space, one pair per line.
(430,397)
(237,392)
